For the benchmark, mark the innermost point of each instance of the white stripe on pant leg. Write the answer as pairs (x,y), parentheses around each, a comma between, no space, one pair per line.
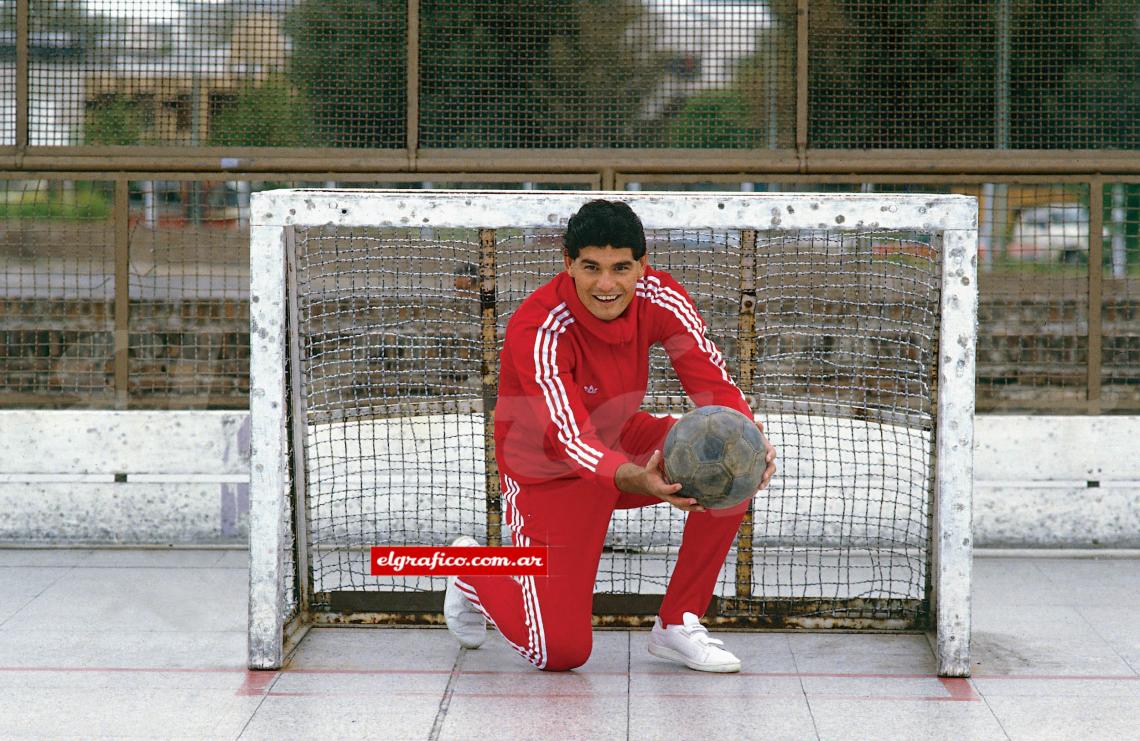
(467,590)
(529,607)
(537,637)
(519,649)
(473,597)
(541,629)
(513,490)
(514,516)
(535,652)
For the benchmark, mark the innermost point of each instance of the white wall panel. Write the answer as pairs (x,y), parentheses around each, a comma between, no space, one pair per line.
(1039,481)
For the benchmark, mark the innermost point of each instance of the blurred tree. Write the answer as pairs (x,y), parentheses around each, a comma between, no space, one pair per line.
(348,62)
(535,73)
(716,119)
(1076,74)
(113,121)
(768,79)
(901,73)
(269,114)
(922,73)
(600,74)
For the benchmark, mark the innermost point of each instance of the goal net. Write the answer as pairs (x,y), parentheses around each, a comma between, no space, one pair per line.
(848,320)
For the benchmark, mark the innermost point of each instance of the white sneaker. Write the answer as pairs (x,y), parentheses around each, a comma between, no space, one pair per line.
(464,621)
(690,644)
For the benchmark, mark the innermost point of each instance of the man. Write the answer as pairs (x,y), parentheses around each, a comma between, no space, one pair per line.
(572,446)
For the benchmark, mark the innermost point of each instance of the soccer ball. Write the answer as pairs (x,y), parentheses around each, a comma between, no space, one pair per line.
(717,455)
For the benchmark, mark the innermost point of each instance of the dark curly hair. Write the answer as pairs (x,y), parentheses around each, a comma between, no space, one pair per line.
(603,223)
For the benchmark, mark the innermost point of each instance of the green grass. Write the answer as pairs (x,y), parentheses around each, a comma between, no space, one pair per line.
(86,204)
(1051,269)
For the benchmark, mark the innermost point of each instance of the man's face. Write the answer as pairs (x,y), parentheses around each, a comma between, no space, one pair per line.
(604,278)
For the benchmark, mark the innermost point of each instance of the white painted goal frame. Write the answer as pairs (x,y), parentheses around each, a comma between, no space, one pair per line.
(275,214)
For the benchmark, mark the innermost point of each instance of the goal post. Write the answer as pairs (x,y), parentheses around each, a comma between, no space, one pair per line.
(848,319)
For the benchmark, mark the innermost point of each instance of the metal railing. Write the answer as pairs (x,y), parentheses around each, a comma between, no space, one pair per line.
(127,155)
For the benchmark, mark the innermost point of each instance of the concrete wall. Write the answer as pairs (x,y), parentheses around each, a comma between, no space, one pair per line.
(182,477)
(124,477)
(1057,481)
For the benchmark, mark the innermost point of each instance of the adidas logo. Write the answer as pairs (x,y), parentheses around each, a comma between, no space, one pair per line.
(591,389)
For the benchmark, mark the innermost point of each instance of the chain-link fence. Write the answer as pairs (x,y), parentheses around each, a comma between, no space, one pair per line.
(168,271)
(384,74)
(132,134)
(1056,333)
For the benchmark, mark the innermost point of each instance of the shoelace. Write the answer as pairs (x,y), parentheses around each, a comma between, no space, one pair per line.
(701,635)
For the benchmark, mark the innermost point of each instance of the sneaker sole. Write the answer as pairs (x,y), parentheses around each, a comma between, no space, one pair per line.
(662,652)
(476,642)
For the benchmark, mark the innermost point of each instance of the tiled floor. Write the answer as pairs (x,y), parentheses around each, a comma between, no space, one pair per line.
(151,643)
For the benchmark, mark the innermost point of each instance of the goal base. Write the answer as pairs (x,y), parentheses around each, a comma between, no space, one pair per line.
(639,610)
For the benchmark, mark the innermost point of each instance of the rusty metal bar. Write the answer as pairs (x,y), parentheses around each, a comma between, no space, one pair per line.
(590,179)
(850,164)
(735,178)
(802,62)
(1051,406)
(412,103)
(1096,290)
(594,180)
(490,382)
(122,332)
(105,401)
(745,348)
(639,610)
(57,401)
(298,421)
(22,72)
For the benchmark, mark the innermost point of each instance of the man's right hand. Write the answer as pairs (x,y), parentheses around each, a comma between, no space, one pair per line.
(650,481)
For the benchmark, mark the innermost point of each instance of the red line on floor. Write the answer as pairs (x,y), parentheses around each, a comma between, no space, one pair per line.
(1063,677)
(813,695)
(256,683)
(317,670)
(125,669)
(898,698)
(540,694)
(952,685)
(959,689)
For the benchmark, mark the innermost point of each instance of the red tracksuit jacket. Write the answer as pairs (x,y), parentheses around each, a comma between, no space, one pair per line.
(569,382)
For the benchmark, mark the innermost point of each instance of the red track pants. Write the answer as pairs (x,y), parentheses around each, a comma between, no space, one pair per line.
(547,618)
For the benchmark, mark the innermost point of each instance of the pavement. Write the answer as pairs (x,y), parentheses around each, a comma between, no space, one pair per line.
(149,643)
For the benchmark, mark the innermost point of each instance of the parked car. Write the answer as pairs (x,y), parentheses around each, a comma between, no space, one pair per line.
(1057,232)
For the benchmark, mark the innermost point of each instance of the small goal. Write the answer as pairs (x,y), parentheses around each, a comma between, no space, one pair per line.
(849,321)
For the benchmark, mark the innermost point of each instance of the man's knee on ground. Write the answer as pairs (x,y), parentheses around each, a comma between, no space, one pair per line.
(569,654)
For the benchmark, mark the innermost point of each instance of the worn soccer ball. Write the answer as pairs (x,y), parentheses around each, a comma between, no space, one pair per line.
(717,455)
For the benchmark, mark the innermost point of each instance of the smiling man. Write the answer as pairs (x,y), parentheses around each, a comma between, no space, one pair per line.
(573,445)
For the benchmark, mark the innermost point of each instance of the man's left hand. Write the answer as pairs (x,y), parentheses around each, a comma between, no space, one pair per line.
(769,458)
